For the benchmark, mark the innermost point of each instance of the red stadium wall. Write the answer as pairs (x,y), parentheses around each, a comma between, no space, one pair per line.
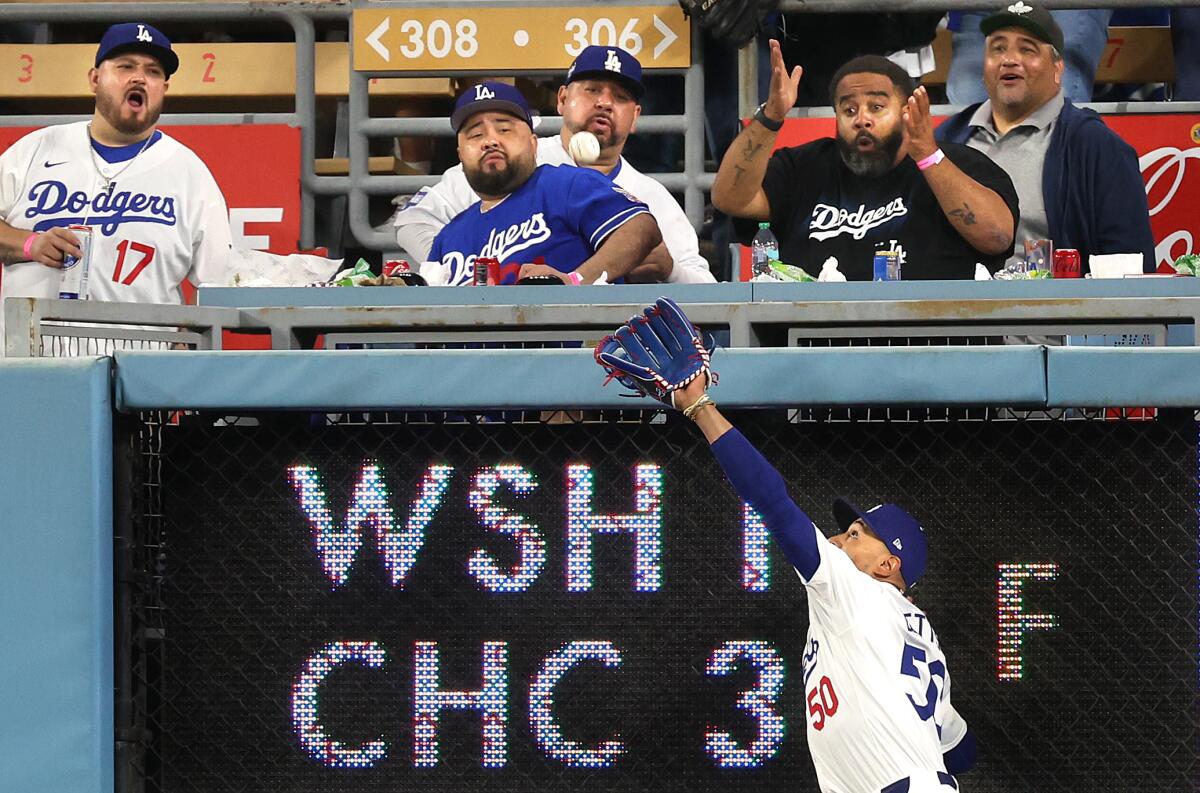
(258,169)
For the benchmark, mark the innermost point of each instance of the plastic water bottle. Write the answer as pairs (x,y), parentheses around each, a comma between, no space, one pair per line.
(763,250)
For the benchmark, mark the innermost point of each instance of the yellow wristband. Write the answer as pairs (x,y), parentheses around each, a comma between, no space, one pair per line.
(704,401)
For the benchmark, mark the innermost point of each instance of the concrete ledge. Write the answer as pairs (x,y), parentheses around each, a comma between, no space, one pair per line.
(1116,376)
(483,379)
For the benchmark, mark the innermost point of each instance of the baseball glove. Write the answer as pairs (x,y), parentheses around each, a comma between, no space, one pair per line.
(656,353)
(730,21)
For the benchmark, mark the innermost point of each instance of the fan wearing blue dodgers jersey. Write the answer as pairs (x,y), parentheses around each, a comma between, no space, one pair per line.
(602,94)
(876,683)
(157,214)
(577,221)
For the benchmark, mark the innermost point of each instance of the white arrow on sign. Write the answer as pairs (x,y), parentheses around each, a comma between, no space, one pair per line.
(376,34)
(668,36)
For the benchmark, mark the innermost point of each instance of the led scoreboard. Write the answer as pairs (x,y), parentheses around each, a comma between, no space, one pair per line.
(545,608)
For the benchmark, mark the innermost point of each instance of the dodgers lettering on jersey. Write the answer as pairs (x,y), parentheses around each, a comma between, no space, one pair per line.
(829,221)
(561,215)
(52,203)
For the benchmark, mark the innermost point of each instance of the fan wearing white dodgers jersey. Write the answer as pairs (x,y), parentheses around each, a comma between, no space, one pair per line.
(876,684)
(157,215)
(601,95)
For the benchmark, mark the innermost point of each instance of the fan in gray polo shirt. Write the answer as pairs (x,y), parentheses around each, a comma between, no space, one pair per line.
(1021,152)
(1079,184)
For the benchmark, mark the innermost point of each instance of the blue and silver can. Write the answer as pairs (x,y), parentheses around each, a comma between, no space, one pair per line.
(886,266)
(75,269)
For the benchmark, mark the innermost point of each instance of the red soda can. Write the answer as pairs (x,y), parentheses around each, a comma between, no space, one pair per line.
(486,271)
(1066,264)
(402,270)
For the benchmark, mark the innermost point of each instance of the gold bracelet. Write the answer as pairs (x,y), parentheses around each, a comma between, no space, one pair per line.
(691,410)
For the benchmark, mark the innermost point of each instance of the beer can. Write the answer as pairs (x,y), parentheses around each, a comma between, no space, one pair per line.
(1066,264)
(886,266)
(73,285)
(485,269)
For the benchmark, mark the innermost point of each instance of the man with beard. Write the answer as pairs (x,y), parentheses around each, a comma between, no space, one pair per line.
(882,184)
(574,219)
(157,216)
(601,95)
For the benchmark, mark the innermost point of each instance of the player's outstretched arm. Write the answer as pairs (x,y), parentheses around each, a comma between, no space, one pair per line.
(756,481)
(661,354)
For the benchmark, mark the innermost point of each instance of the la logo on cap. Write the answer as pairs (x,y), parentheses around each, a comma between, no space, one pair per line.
(897,543)
(612,62)
(143,34)
(483,92)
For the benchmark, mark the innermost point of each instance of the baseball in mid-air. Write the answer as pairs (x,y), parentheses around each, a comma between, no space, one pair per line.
(584,148)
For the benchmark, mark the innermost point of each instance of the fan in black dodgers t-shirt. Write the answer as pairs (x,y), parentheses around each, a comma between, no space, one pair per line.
(864,191)
(820,209)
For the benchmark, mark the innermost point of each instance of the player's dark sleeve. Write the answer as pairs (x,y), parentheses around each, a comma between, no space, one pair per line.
(761,486)
(962,756)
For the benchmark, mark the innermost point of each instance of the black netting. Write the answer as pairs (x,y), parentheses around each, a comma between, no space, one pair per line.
(1106,700)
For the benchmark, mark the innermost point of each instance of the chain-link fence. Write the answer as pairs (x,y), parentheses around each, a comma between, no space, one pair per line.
(292,582)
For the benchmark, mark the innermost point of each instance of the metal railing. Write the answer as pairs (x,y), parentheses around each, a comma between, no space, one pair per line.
(42,328)
(846,314)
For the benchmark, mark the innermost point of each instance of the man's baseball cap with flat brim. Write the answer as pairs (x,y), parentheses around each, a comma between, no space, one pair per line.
(897,529)
(1030,17)
(137,37)
(490,96)
(608,63)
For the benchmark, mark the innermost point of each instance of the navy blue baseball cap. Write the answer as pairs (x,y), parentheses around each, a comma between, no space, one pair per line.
(490,96)
(137,37)
(611,63)
(898,530)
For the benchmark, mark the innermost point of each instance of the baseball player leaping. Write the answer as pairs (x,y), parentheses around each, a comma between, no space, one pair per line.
(876,685)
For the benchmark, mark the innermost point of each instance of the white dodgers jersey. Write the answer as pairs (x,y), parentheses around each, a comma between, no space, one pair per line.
(161,220)
(876,687)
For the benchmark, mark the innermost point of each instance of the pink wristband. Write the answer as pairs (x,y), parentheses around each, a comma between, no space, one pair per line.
(27,248)
(932,160)
(575,278)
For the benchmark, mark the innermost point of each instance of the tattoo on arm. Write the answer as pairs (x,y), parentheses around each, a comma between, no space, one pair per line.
(965,214)
(750,149)
(738,172)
